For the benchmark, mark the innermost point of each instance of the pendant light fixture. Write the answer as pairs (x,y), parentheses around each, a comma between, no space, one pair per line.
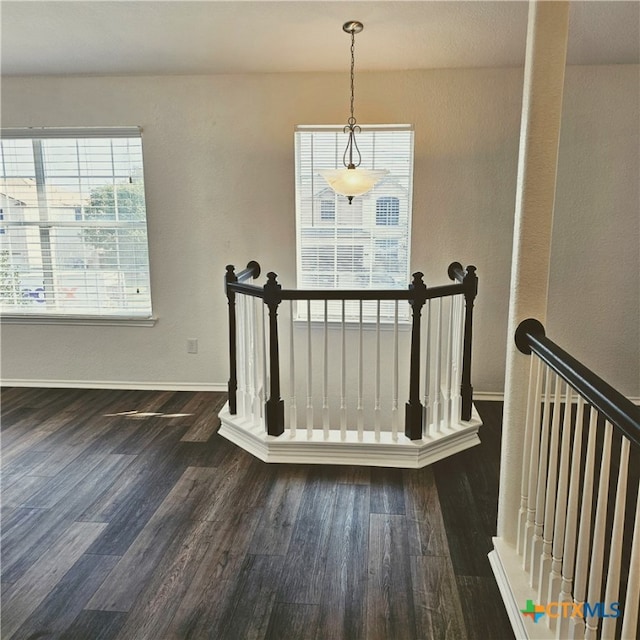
(352,181)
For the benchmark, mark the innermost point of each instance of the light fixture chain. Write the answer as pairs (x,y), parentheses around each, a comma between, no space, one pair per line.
(348,182)
(353,62)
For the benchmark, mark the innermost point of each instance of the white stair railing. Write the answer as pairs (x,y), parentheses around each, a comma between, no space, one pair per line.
(577,544)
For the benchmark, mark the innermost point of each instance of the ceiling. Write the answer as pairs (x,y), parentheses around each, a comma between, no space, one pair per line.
(175,37)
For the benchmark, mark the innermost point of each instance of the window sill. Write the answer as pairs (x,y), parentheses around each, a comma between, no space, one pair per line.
(109,321)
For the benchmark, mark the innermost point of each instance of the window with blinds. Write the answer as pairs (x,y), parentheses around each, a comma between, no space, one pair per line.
(74,228)
(363,245)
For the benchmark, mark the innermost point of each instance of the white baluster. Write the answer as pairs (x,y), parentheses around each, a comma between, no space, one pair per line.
(376,406)
(309,375)
(293,406)
(436,381)
(457,359)
(427,370)
(343,380)
(569,548)
(394,401)
(555,577)
(257,367)
(360,408)
(534,451)
(576,624)
(447,371)
(265,371)
(533,398)
(632,600)
(249,355)
(599,533)
(536,542)
(325,376)
(550,494)
(612,590)
(242,355)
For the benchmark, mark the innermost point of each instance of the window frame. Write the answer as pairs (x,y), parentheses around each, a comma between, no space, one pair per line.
(83,316)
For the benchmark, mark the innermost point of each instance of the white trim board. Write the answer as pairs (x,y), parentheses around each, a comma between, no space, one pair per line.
(488,395)
(352,449)
(515,591)
(159,386)
(499,396)
(116,384)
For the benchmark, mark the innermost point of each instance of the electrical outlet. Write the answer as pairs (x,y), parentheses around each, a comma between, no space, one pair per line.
(192,345)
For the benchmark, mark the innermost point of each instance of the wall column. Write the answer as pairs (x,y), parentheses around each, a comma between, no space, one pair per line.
(545,61)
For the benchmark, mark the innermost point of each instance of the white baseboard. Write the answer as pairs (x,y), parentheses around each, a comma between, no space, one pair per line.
(515,591)
(498,396)
(495,396)
(116,384)
(158,386)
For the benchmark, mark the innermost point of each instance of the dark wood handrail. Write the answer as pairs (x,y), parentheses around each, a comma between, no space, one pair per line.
(456,272)
(352,294)
(252,270)
(620,411)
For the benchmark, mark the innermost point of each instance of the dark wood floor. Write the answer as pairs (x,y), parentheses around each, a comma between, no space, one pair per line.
(125,515)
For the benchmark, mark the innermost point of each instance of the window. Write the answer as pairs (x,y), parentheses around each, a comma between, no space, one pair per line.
(363,245)
(387,211)
(327,210)
(74,210)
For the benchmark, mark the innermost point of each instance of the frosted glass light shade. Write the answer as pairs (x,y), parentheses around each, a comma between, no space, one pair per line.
(352,182)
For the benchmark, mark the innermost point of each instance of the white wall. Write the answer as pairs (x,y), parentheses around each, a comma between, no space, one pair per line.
(219,177)
(594,289)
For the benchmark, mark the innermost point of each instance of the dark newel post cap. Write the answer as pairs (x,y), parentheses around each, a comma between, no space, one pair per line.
(230,277)
(527,327)
(471,281)
(417,282)
(420,290)
(272,282)
(272,289)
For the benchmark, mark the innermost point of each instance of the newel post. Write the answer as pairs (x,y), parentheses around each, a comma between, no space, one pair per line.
(274,407)
(232,386)
(414,408)
(470,283)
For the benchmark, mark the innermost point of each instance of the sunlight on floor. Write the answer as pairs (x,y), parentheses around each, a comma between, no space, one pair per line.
(141,415)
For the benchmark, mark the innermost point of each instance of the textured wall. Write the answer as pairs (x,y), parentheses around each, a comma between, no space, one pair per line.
(594,288)
(219,177)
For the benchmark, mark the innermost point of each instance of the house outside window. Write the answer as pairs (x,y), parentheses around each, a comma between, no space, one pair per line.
(74,210)
(369,240)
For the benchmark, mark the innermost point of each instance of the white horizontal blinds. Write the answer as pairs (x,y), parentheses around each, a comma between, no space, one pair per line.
(363,245)
(74,231)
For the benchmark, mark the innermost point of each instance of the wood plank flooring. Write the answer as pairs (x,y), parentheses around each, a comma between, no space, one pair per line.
(125,516)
